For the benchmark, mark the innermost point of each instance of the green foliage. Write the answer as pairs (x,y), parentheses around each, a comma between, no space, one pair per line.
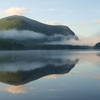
(9,45)
(23,23)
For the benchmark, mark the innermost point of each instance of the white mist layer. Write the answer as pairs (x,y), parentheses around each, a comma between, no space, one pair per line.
(14,34)
(22,35)
(52,39)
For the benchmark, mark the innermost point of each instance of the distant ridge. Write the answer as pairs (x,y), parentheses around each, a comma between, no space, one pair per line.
(97,45)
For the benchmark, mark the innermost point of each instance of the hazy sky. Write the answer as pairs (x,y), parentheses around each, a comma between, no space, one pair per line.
(83,16)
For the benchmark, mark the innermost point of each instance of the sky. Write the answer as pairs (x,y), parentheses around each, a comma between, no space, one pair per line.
(82,16)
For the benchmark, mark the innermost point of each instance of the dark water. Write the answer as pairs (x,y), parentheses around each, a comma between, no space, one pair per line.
(49,75)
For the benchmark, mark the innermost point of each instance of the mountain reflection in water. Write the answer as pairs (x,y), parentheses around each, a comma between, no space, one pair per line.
(18,68)
(56,75)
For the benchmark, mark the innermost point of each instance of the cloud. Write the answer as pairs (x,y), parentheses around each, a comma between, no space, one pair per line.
(15,11)
(90,23)
(51,23)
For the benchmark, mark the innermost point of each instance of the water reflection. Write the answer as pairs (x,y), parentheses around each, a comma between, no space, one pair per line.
(50,75)
(19,69)
(16,89)
(98,54)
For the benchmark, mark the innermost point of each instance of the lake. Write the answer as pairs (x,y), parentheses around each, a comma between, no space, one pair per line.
(50,75)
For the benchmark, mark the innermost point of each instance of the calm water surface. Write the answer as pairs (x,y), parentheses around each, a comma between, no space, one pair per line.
(50,75)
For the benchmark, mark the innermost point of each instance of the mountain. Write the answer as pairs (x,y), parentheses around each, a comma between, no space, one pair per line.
(19,32)
(97,46)
(24,23)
